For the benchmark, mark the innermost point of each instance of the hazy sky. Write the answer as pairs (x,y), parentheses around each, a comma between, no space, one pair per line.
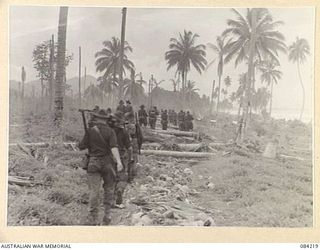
(148,31)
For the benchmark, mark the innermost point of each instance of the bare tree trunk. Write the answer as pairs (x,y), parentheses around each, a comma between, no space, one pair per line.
(303,90)
(271,92)
(79,76)
(51,73)
(123,33)
(62,33)
(218,100)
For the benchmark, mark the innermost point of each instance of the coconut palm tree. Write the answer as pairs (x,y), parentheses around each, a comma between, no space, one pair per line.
(191,90)
(255,36)
(270,75)
(298,52)
(61,67)
(267,43)
(108,86)
(221,49)
(175,84)
(140,79)
(157,83)
(108,59)
(93,94)
(132,89)
(183,52)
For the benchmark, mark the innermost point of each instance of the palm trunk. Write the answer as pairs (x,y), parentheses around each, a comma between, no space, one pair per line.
(79,77)
(184,89)
(123,33)
(244,120)
(51,73)
(61,54)
(218,100)
(271,94)
(303,91)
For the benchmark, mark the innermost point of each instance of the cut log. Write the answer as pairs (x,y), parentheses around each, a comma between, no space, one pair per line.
(18,125)
(176,132)
(289,157)
(21,181)
(177,154)
(41,144)
(185,146)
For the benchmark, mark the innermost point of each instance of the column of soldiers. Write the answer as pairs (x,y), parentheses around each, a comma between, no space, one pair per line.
(113,141)
(184,120)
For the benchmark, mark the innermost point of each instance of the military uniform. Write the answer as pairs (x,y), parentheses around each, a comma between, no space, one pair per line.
(101,166)
(142,114)
(164,120)
(129,113)
(189,123)
(181,118)
(124,146)
(136,138)
(152,118)
(121,107)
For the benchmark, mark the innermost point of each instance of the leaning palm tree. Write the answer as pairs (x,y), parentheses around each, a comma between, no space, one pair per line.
(183,52)
(270,75)
(221,49)
(61,68)
(108,59)
(298,52)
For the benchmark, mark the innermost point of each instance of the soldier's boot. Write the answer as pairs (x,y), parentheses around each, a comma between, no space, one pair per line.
(106,219)
(119,199)
(92,218)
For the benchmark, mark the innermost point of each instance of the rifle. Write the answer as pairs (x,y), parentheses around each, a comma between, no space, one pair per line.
(88,136)
(138,133)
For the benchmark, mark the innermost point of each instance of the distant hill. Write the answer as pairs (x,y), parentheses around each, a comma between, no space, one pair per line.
(73,82)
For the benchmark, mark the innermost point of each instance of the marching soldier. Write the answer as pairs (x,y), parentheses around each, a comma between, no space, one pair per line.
(175,118)
(189,123)
(164,120)
(129,113)
(181,119)
(135,134)
(142,114)
(125,151)
(101,142)
(121,107)
(152,118)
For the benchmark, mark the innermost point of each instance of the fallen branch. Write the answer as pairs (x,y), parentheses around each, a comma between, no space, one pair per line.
(289,157)
(177,154)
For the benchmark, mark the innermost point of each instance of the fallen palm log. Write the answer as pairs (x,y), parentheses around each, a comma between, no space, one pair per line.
(188,147)
(22,181)
(177,154)
(18,125)
(41,144)
(176,133)
(289,157)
